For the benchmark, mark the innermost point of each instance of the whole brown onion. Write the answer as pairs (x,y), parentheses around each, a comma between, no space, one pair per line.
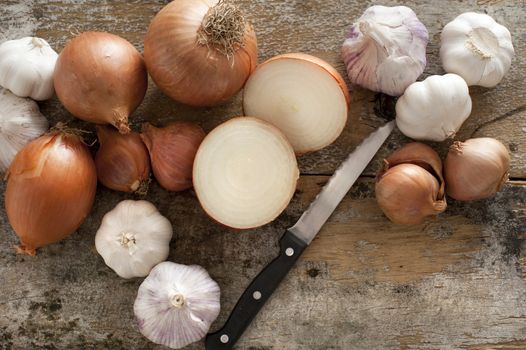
(101,78)
(50,190)
(200,52)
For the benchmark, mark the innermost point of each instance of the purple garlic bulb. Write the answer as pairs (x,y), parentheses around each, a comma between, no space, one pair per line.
(385,49)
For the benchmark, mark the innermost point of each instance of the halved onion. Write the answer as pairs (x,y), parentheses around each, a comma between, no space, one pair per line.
(304,96)
(245,173)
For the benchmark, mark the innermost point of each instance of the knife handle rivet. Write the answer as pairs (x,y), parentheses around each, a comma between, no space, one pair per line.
(256,295)
(224,339)
(289,252)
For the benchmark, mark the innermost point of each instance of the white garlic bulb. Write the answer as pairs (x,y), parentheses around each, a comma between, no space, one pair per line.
(133,238)
(477,48)
(27,66)
(20,122)
(385,49)
(434,109)
(176,304)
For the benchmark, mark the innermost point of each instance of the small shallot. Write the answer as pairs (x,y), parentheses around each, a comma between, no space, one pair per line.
(50,189)
(101,78)
(410,187)
(476,169)
(122,161)
(172,152)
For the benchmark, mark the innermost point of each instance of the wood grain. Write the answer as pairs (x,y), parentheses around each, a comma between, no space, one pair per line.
(454,282)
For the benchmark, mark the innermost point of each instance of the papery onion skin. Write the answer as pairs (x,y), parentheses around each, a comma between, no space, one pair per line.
(407,194)
(101,78)
(172,151)
(476,169)
(51,187)
(123,162)
(191,73)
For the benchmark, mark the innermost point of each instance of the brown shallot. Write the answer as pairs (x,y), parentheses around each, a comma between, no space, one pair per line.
(476,169)
(172,152)
(122,161)
(410,187)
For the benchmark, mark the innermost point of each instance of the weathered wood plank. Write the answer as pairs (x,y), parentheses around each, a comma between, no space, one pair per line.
(461,282)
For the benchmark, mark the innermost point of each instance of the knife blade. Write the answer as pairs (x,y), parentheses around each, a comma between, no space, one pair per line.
(296,239)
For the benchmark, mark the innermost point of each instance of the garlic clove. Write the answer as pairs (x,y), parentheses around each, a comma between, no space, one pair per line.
(20,122)
(476,169)
(133,237)
(27,66)
(385,49)
(176,304)
(407,194)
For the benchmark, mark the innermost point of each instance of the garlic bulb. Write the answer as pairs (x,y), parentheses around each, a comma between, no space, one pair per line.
(434,109)
(477,48)
(411,187)
(385,49)
(176,304)
(476,169)
(133,238)
(27,66)
(20,122)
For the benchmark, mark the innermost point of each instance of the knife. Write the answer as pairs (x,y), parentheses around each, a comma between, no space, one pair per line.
(296,239)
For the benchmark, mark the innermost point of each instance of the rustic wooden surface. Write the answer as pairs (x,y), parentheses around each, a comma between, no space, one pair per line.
(457,282)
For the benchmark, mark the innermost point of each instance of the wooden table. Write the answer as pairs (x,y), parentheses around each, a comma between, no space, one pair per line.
(456,282)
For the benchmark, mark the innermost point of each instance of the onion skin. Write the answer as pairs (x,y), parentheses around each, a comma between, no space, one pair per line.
(101,78)
(122,161)
(476,169)
(188,72)
(407,194)
(410,187)
(172,151)
(51,187)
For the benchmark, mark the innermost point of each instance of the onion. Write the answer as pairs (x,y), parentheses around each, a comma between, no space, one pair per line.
(304,96)
(410,187)
(101,78)
(50,189)
(172,152)
(122,161)
(245,173)
(476,169)
(200,52)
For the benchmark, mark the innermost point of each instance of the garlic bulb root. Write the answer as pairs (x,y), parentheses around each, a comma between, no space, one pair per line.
(477,48)
(410,187)
(476,169)
(176,304)
(385,49)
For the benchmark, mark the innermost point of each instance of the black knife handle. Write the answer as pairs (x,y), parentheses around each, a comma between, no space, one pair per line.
(257,293)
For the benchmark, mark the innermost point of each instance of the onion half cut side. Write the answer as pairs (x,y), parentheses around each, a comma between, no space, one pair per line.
(245,173)
(302,95)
